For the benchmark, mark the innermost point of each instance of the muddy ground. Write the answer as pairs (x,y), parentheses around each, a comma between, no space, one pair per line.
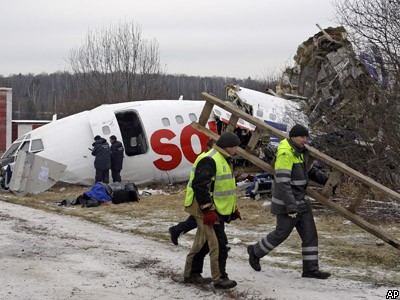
(47,246)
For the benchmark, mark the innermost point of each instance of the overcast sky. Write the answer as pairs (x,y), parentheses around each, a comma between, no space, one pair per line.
(230,38)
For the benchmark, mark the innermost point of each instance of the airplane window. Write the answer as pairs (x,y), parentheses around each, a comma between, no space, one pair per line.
(272,117)
(217,112)
(259,113)
(106,130)
(166,122)
(25,146)
(37,145)
(192,117)
(179,119)
(11,151)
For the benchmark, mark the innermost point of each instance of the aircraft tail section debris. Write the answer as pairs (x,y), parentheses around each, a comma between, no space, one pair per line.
(326,70)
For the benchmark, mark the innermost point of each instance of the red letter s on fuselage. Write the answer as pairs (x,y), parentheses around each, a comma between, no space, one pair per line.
(165,149)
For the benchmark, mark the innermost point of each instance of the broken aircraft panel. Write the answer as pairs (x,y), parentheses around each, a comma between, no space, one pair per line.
(33,174)
(325,72)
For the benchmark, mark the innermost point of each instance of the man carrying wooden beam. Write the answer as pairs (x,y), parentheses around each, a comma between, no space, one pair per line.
(291,205)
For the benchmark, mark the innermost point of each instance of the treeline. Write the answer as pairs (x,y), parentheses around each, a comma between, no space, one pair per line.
(43,95)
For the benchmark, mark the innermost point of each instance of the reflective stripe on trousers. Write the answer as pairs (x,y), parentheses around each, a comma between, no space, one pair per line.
(305,226)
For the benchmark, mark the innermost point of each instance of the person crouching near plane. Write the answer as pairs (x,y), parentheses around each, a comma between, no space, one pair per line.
(211,199)
(291,205)
(117,157)
(102,161)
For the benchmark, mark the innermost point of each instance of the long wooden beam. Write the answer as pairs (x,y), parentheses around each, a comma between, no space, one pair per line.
(313,152)
(355,219)
(342,211)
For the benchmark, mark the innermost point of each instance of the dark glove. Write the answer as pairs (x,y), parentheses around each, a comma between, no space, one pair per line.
(210,218)
(236,215)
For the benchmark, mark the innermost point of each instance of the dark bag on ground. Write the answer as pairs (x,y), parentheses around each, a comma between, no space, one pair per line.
(83,200)
(91,202)
(122,193)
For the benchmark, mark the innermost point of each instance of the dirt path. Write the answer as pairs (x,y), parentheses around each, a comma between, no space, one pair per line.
(50,256)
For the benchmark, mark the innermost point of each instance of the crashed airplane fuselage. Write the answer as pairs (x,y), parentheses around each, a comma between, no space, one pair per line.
(160,145)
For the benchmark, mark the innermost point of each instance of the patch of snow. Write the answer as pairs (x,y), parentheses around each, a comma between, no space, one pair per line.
(50,256)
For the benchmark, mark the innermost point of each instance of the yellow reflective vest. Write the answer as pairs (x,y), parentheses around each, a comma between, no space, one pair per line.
(224,192)
(290,180)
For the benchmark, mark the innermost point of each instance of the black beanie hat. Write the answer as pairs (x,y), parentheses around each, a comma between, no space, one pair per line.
(298,130)
(228,139)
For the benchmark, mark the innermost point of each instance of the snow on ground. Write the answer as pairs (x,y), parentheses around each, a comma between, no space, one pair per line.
(50,256)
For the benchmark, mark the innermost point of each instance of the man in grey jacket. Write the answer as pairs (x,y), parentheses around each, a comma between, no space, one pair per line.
(291,205)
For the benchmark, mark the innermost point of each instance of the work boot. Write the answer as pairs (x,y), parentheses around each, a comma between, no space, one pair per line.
(316,274)
(174,236)
(253,259)
(197,279)
(225,284)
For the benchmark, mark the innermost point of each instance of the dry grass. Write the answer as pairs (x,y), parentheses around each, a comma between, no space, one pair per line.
(346,250)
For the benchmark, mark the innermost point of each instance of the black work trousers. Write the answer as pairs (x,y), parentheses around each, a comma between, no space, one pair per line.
(305,226)
(116,175)
(185,226)
(102,176)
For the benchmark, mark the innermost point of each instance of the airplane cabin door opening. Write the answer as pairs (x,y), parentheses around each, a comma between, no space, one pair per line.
(133,136)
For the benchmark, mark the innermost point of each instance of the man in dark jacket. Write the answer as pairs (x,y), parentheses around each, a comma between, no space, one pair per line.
(117,157)
(102,161)
(211,200)
(190,223)
(291,205)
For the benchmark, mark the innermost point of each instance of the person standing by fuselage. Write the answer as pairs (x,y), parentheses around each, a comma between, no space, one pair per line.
(102,161)
(117,157)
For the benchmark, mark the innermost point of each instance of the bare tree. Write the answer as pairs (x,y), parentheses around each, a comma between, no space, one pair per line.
(116,64)
(374,28)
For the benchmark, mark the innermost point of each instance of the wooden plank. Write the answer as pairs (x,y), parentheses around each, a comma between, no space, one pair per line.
(243,153)
(232,123)
(352,173)
(355,219)
(333,180)
(205,113)
(255,136)
(313,152)
(356,202)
